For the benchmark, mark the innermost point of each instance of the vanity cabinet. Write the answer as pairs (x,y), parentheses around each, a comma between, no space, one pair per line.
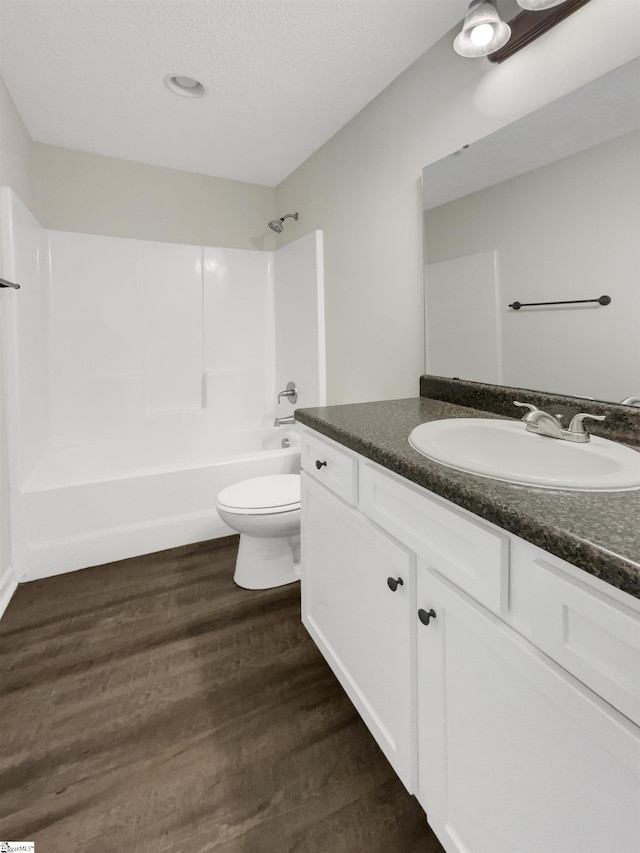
(502,687)
(358,598)
(515,754)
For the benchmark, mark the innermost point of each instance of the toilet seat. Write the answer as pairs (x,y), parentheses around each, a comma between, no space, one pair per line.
(276,493)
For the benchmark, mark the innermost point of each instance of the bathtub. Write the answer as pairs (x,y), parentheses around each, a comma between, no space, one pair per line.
(84,506)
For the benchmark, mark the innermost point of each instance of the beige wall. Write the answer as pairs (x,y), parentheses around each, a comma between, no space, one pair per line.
(363,186)
(76,191)
(14,172)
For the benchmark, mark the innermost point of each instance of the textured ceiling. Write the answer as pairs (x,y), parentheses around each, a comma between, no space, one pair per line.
(283,75)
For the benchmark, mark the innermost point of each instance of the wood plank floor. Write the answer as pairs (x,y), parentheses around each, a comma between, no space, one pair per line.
(152,705)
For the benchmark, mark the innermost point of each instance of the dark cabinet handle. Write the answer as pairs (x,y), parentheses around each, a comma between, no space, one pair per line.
(394,583)
(320,464)
(425,616)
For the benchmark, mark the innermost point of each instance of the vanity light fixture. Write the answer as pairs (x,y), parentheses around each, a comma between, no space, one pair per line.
(537,18)
(485,34)
(482,31)
(539,5)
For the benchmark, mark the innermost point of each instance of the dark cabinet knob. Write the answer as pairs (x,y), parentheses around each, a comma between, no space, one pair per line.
(320,464)
(394,583)
(425,616)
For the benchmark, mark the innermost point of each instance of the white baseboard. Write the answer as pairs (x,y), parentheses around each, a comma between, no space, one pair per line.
(8,585)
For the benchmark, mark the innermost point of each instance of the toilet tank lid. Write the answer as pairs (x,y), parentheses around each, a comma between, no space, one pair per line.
(275,490)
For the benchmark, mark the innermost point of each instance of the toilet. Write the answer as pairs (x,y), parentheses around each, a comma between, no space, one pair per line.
(265,511)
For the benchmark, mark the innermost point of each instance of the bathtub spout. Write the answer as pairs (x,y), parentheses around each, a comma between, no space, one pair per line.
(282,421)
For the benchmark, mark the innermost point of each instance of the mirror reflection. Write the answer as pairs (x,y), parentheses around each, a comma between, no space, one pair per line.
(544,210)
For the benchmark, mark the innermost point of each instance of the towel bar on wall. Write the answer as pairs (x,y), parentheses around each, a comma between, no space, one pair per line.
(602,300)
(5,283)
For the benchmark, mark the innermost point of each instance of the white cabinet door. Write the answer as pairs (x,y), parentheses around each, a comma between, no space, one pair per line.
(365,630)
(515,755)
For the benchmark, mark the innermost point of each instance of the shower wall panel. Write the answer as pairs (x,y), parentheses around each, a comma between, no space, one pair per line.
(25,260)
(463,329)
(25,356)
(96,347)
(299,321)
(239,346)
(171,277)
(152,348)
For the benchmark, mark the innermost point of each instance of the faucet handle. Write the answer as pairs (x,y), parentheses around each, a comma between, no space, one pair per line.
(291,392)
(528,406)
(577,422)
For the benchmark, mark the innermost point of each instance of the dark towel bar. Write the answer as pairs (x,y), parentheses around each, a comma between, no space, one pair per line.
(602,300)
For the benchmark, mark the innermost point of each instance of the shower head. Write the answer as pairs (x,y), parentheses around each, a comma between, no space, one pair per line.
(277,224)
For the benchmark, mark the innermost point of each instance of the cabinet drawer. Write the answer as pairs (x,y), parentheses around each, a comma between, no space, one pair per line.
(471,555)
(336,469)
(596,640)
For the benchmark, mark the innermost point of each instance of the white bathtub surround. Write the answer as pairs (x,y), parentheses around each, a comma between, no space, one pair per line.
(156,345)
(299,321)
(25,343)
(25,334)
(474,349)
(172,290)
(141,383)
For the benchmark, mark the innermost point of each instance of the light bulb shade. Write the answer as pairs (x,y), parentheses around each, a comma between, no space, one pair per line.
(482,13)
(538,5)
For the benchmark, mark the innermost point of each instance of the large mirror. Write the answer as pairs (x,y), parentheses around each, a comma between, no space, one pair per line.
(546,210)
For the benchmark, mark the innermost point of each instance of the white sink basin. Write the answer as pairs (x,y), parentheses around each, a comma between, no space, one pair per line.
(504,450)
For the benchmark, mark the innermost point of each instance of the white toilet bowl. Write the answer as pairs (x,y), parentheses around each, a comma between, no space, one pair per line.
(266,513)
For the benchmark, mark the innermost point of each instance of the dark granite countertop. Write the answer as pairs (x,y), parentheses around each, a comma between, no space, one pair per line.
(598,532)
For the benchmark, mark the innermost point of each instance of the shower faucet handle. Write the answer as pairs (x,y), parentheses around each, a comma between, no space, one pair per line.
(291,392)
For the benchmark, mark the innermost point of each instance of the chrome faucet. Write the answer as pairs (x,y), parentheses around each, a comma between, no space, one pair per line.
(542,423)
(289,419)
(291,393)
(630,401)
